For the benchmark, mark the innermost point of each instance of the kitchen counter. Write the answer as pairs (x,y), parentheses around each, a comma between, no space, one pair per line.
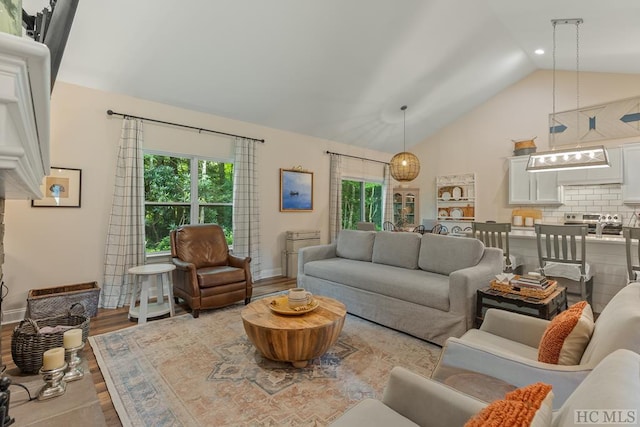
(529,232)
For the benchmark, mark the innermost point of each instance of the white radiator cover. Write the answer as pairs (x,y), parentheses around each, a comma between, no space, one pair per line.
(295,240)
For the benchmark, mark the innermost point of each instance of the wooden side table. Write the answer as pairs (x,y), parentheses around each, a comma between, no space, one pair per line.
(151,272)
(546,308)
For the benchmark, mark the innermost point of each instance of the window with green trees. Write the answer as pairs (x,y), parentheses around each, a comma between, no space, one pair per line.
(185,190)
(361,201)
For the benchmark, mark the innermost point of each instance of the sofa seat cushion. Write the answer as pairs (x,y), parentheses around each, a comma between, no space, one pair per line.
(397,249)
(446,254)
(421,287)
(216,276)
(482,338)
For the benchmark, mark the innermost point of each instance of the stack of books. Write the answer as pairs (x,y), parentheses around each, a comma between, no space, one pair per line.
(533,281)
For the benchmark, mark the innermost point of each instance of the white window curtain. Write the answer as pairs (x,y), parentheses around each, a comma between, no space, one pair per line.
(246,204)
(125,246)
(387,189)
(335,197)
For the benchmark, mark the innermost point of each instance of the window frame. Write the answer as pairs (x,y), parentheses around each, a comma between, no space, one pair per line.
(362,180)
(194,204)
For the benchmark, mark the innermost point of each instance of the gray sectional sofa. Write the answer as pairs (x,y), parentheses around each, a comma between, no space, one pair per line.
(424,285)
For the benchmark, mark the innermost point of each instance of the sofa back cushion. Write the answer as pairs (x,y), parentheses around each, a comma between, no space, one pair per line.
(446,254)
(614,384)
(354,244)
(618,326)
(397,249)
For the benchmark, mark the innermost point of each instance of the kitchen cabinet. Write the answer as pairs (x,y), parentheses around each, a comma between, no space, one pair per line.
(631,173)
(406,204)
(610,175)
(526,188)
(456,200)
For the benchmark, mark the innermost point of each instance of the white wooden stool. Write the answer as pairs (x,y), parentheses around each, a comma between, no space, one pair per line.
(146,310)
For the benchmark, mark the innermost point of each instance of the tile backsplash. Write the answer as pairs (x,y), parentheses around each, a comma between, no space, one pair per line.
(606,199)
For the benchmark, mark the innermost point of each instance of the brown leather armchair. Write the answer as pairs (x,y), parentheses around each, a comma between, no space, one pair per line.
(206,274)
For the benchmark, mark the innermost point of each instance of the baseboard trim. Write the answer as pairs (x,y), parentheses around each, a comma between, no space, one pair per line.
(13,316)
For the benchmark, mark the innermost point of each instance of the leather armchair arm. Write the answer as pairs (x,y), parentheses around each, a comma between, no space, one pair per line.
(239,262)
(189,274)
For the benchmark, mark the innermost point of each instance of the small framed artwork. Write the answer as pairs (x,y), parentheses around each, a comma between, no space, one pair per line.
(296,190)
(61,189)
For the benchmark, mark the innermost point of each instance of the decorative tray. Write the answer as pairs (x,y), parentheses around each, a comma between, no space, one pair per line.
(525,292)
(280,305)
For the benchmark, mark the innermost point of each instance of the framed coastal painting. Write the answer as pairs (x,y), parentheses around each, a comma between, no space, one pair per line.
(61,189)
(296,190)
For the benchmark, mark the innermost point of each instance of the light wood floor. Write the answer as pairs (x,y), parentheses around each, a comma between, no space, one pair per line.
(113,320)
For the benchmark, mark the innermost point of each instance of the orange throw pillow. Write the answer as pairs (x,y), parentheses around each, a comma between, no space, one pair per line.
(567,335)
(526,406)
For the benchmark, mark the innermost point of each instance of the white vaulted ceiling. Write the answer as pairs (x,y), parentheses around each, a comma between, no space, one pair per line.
(338,69)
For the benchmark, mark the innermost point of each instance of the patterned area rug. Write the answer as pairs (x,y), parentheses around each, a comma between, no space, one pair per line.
(183,371)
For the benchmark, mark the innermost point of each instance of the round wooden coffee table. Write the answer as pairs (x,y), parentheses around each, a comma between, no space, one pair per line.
(296,339)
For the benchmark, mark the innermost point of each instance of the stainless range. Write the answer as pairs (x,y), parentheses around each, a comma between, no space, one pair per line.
(610,223)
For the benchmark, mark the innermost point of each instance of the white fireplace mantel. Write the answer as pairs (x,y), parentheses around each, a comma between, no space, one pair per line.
(24,116)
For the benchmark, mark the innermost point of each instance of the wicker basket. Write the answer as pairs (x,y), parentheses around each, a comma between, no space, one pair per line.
(28,345)
(526,292)
(52,302)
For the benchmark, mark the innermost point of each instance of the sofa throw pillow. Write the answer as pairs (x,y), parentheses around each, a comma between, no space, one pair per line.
(567,335)
(446,254)
(397,249)
(355,244)
(527,406)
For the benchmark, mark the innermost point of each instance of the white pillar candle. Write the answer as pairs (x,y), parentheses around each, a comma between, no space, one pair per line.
(72,338)
(53,359)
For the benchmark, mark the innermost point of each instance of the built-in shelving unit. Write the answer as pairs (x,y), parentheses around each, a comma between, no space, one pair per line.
(456,201)
(406,202)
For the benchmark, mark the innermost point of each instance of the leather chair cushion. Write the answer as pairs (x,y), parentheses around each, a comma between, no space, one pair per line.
(221,275)
(202,245)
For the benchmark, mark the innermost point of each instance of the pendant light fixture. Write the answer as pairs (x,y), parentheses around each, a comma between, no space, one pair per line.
(572,158)
(404,166)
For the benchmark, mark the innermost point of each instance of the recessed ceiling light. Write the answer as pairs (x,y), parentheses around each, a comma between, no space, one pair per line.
(539,51)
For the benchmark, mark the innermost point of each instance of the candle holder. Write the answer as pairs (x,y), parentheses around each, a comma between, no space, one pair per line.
(54,383)
(74,372)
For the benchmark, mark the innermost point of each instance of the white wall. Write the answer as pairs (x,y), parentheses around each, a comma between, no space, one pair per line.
(481,140)
(48,247)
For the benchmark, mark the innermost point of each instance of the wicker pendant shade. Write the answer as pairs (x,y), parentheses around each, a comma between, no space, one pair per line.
(405,166)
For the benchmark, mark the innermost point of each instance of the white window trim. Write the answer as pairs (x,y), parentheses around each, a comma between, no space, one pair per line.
(193,205)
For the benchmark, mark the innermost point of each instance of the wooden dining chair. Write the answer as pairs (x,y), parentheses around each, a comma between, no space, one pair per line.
(496,235)
(420,229)
(562,251)
(438,229)
(632,238)
(388,226)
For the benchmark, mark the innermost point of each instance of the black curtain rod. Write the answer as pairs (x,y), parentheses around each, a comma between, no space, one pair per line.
(113,113)
(356,157)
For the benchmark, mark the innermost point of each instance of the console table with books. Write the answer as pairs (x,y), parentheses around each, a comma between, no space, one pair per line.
(544,308)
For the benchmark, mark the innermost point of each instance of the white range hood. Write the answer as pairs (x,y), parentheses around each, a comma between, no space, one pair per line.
(24,116)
